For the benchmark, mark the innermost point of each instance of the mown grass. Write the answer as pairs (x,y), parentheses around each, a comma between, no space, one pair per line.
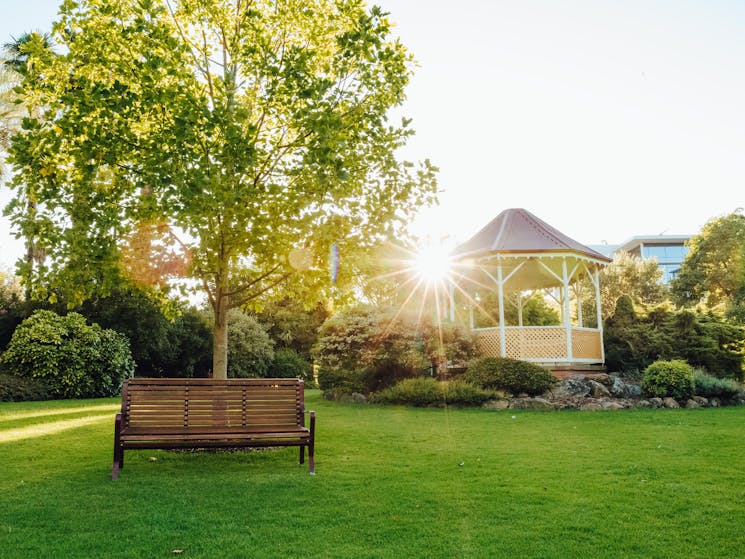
(392,482)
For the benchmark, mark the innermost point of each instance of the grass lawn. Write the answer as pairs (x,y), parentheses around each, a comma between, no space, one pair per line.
(392,482)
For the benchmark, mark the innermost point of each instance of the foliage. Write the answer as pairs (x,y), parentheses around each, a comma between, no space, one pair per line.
(426,391)
(369,349)
(291,325)
(669,378)
(628,275)
(139,315)
(511,375)
(288,364)
(634,341)
(189,350)
(250,349)
(70,357)
(264,160)
(714,269)
(19,389)
(710,386)
(537,311)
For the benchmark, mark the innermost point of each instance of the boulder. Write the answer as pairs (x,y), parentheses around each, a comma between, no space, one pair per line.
(603,378)
(714,402)
(592,405)
(656,402)
(691,403)
(644,404)
(622,389)
(599,390)
(670,403)
(612,405)
(500,404)
(358,398)
(532,404)
(572,386)
(703,402)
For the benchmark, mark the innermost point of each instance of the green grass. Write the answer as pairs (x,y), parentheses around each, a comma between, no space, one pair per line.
(392,482)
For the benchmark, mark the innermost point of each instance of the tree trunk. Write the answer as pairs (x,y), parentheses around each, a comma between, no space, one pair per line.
(220,344)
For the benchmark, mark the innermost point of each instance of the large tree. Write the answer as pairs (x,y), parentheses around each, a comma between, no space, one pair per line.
(714,269)
(257,130)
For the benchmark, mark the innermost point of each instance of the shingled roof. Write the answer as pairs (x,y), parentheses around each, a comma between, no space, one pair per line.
(518,231)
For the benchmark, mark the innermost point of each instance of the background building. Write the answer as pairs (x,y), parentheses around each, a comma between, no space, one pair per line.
(669,250)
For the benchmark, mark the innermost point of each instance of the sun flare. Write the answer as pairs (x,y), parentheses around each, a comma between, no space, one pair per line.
(432,263)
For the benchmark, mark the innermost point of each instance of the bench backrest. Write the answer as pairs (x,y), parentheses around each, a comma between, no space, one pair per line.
(185,404)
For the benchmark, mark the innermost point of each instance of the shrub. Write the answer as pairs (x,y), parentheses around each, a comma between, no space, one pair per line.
(17,389)
(710,386)
(426,391)
(669,378)
(250,349)
(288,364)
(73,359)
(512,375)
(370,349)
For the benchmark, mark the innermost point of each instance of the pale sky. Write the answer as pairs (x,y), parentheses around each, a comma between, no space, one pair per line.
(605,118)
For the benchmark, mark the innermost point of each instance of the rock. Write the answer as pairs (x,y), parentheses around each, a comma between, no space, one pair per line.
(644,404)
(611,405)
(656,402)
(572,386)
(358,398)
(603,378)
(532,404)
(500,404)
(598,390)
(670,403)
(690,403)
(621,389)
(714,402)
(703,402)
(591,406)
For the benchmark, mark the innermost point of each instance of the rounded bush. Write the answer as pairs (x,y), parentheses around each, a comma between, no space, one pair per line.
(672,379)
(511,375)
(71,358)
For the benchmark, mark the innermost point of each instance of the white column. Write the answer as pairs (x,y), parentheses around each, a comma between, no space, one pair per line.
(519,308)
(500,291)
(600,314)
(579,304)
(567,313)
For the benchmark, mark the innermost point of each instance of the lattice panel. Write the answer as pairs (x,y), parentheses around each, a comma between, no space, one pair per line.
(488,341)
(526,343)
(536,343)
(586,344)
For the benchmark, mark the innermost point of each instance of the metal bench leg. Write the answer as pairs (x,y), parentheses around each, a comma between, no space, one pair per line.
(312,445)
(118,451)
(302,454)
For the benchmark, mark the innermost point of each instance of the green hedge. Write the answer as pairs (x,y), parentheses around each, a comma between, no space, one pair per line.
(426,391)
(511,375)
(710,386)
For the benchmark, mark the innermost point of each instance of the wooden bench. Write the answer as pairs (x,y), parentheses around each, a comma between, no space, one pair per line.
(206,413)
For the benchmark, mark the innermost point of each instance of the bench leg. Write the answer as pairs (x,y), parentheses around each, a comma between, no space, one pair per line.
(302,454)
(312,445)
(118,450)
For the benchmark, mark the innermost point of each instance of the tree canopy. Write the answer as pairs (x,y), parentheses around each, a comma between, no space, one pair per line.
(714,269)
(256,131)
